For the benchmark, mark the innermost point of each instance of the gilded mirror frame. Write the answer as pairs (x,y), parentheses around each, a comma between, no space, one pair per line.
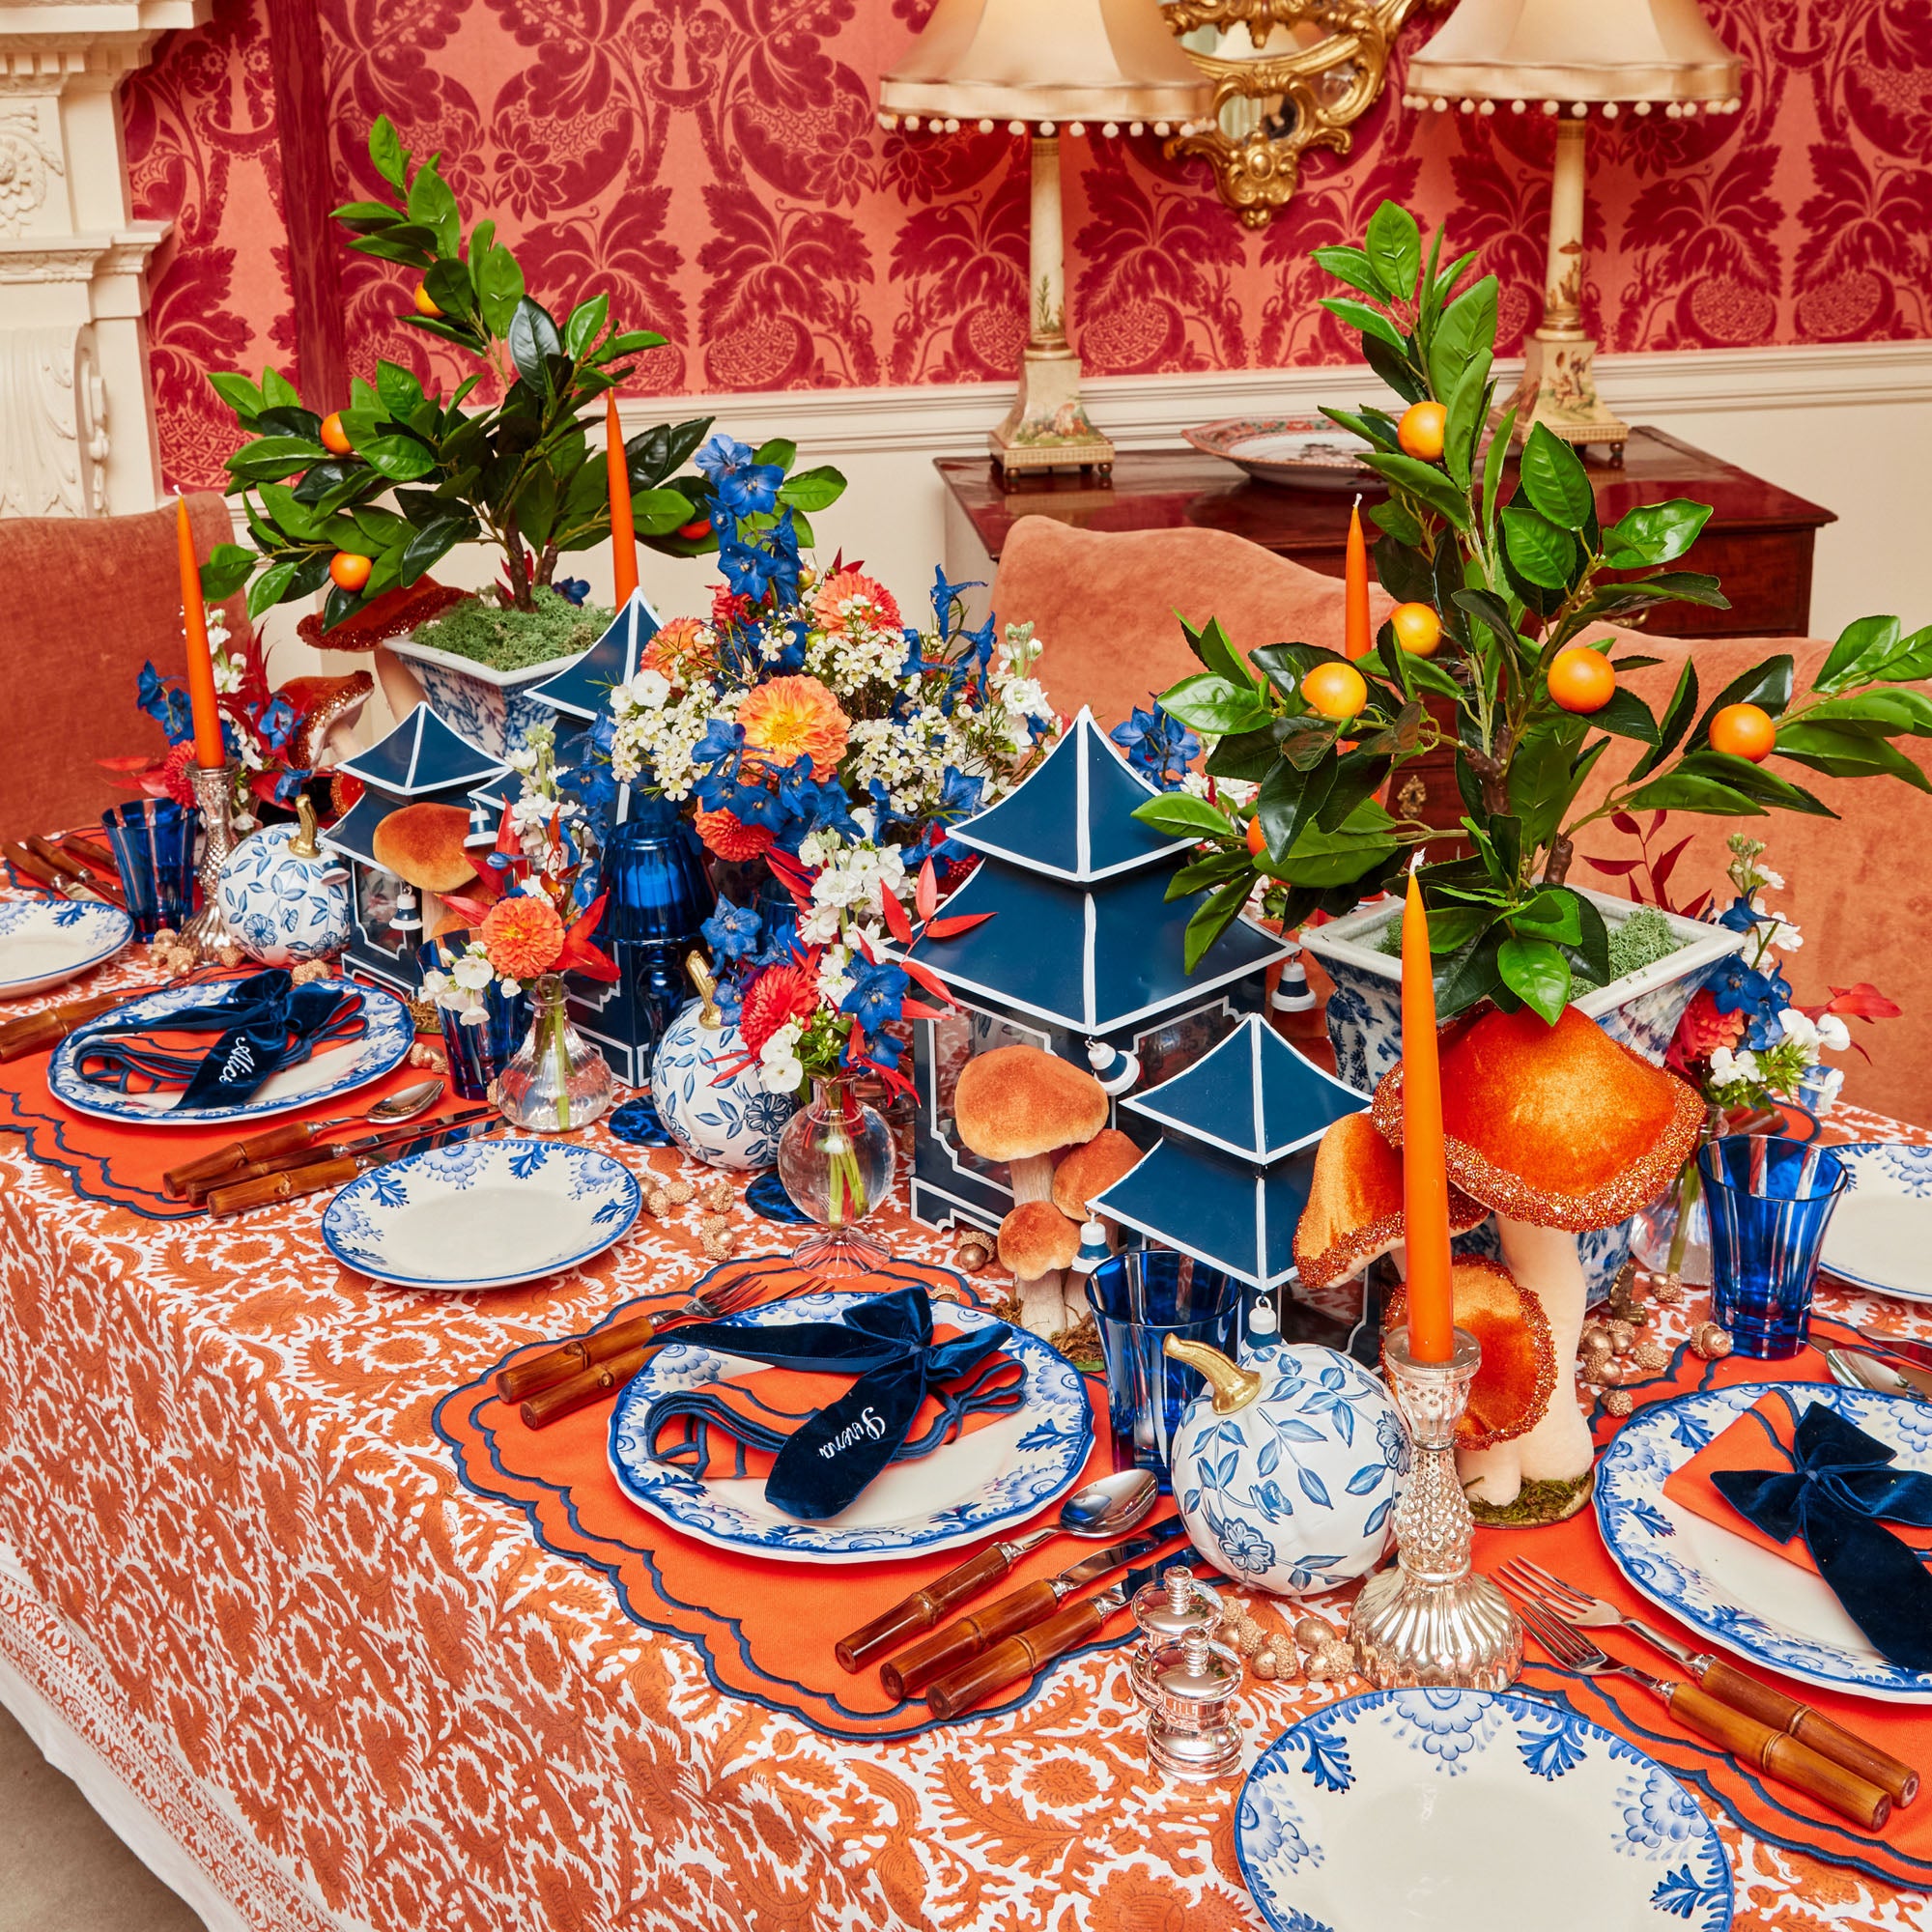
(1324,87)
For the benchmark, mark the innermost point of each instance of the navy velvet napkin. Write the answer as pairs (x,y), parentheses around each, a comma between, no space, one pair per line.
(1836,1493)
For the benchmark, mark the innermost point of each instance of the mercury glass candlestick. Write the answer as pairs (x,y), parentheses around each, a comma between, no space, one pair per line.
(215,795)
(1430,1620)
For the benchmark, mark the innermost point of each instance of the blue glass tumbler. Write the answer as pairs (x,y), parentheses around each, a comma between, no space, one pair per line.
(152,841)
(1771,1200)
(1140,1299)
(478,1050)
(653,868)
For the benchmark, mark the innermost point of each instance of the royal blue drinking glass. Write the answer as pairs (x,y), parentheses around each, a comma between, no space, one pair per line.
(653,868)
(1140,1299)
(152,841)
(1771,1200)
(478,1050)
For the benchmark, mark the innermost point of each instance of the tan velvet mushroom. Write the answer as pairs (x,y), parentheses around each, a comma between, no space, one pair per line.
(423,845)
(1093,1169)
(1037,1243)
(1517,1374)
(1560,1129)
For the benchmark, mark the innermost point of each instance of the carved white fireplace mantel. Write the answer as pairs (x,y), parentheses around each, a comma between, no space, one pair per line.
(76,413)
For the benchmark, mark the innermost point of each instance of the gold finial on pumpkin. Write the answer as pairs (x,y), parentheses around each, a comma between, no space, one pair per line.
(1234,1387)
(303,844)
(708,1015)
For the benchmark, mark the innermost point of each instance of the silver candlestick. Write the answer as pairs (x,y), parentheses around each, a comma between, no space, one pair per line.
(215,795)
(1428,1620)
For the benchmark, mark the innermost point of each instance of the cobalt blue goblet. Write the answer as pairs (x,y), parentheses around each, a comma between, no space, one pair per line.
(152,841)
(1771,1200)
(478,1050)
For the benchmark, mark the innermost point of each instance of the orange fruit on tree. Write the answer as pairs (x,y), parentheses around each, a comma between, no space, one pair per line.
(1418,630)
(334,438)
(1420,430)
(349,570)
(1335,690)
(424,305)
(1256,839)
(1745,731)
(1581,680)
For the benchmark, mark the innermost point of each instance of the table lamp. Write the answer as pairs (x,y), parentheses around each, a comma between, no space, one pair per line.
(1041,65)
(1565,56)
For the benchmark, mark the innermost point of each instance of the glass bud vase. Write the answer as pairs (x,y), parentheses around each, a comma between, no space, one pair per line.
(557,1081)
(836,1160)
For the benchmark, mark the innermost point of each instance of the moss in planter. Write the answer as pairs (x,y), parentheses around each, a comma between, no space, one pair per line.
(1641,940)
(517,639)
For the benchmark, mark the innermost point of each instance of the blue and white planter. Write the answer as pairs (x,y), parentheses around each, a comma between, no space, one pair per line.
(1294,1492)
(491,708)
(723,1119)
(284,909)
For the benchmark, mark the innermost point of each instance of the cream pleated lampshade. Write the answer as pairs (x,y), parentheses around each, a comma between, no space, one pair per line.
(1576,50)
(1047,61)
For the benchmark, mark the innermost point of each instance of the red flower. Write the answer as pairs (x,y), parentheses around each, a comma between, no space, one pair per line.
(730,838)
(729,608)
(1701,1031)
(779,995)
(173,776)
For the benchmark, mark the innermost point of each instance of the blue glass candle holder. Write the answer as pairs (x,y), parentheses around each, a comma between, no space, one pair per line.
(1771,1200)
(653,868)
(152,841)
(478,1050)
(1138,1298)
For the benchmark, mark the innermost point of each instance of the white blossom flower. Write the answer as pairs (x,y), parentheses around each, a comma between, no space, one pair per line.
(472,970)
(1834,1033)
(650,690)
(1727,1066)
(1796,1029)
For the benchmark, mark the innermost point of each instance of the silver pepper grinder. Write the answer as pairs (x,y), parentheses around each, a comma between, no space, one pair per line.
(1191,1730)
(1168,1612)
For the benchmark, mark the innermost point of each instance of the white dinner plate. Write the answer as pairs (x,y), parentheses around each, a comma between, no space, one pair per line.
(327,1076)
(1753,1604)
(482,1214)
(967,1489)
(1880,1234)
(43,942)
(1306,452)
(1422,1810)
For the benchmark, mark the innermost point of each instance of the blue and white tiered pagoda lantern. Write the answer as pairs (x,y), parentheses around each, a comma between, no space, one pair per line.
(1082,958)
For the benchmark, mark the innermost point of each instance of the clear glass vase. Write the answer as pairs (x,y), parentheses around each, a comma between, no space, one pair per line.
(1672,1235)
(836,1160)
(557,1081)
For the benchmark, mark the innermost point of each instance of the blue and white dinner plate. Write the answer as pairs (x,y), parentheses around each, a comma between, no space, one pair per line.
(1880,1236)
(481,1214)
(969,1489)
(328,1075)
(1437,1807)
(43,942)
(1736,1593)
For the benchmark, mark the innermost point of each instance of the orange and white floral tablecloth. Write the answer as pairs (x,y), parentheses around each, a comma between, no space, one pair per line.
(359,1695)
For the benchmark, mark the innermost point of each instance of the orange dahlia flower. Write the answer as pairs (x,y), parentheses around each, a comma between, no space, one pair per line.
(524,935)
(676,647)
(852,601)
(730,838)
(792,717)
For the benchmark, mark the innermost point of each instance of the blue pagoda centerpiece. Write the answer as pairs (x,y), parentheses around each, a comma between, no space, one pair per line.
(422,762)
(1084,956)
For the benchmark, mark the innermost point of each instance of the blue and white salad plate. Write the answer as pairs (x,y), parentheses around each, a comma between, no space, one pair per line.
(1879,1236)
(327,1076)
(1737,1594)
(1431,1809)
(43,942)
(482,1213)
(970,1489)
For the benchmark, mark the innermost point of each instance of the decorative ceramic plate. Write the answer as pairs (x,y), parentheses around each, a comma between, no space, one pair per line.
(482,1214)
(329,1075)
(1403,1808)
(46,941)
(1880,1236)
(996,1477)
(1306,452)
(1753,1604)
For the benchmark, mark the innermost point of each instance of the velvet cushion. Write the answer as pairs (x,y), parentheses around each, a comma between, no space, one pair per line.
(89,599)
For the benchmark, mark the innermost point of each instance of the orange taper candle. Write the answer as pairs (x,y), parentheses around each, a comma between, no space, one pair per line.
(1357,639)
(203,705)
(623,535)
(1425,1180)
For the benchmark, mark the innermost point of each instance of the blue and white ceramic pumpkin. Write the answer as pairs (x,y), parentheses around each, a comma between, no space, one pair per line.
(284,898)
(724,1119)
(1288,1468)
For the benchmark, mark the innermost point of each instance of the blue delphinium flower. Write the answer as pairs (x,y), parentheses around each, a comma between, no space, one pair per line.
(751,491)
(166,704)
(720,455)
(1761,995)
(878,991)
(572,590)
(732,930)
(1158,747)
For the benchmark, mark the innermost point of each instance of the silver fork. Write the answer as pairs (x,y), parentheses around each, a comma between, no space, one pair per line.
(1774,1752)
(1748,1694)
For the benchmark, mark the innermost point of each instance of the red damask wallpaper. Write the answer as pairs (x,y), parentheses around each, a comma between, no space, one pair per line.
(717,164)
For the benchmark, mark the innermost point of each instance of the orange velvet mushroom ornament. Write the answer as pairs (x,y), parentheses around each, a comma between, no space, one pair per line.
(1560,1131)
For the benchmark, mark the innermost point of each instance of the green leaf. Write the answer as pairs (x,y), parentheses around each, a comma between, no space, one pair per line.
(532,337)
(1372,321)
(1358,776)
(585,324)
(410,245)
(1216,913)
(433,205)
(1755,781)
(499,285)
(1397,521)
(779,451)
(1467,328)
(1550,915)
(1205,702)
(1555,481)
(655,513)
(1886,711)
(402,459)
(279,392)
(1391,366)
(363,218)
(1539,549)
(1873,650)
(1349,265)
(1653,533)
(269,589)
(1627,715)
(239,394)
(1366,424)
(1247,756)
(1394,246)
(1679,586)
(1467,409)
(1181,816)
(1537,973)
(630,342)
(1674,792)
(1469,974)
(1492,466)
(1539,774)
(1842,750)
(1288,802)
(1423,480)
(225,572)
(273,457)
(1676,721)
(1198,875)
(448,286)
(400,391)
(1337,857)
(1451,928)
(812,488)
(387,152)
